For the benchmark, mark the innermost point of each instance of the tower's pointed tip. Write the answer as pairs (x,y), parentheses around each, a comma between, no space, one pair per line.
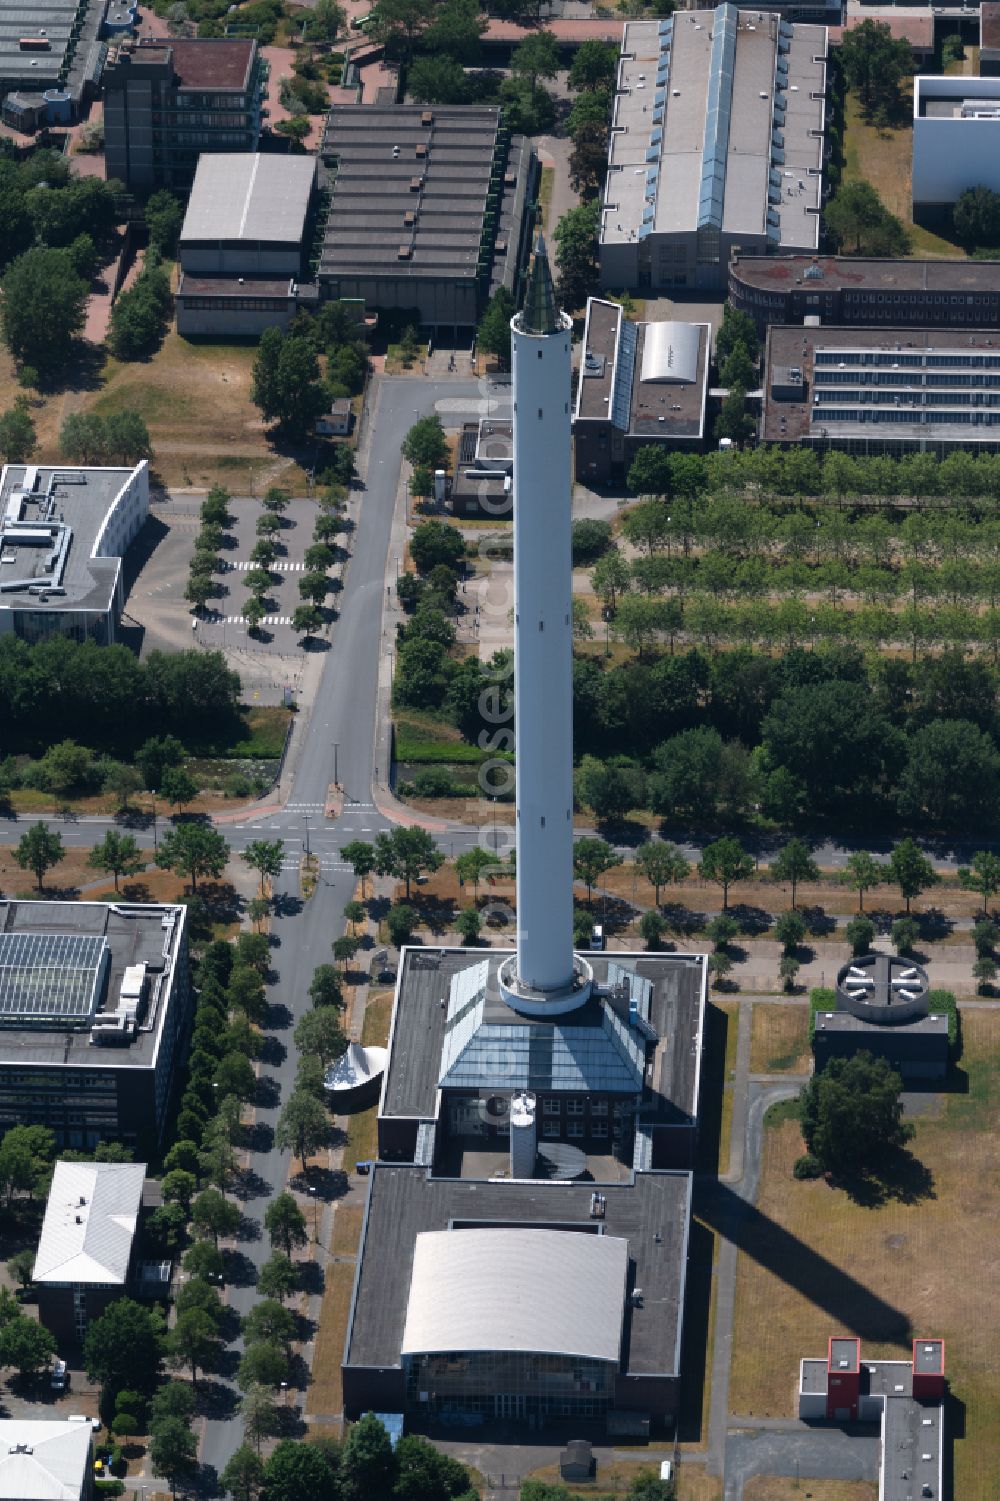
(540,314)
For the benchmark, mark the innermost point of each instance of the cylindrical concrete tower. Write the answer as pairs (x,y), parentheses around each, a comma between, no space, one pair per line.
(544,976)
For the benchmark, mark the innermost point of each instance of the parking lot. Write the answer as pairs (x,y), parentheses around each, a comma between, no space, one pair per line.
(223,625)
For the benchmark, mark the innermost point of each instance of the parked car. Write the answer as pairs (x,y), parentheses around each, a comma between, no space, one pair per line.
(60,1376)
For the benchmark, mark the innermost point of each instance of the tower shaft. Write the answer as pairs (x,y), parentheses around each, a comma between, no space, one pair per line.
(543,638)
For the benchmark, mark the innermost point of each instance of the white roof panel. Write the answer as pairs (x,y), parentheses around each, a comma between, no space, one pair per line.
(246,196)
(670,352)
(551,1292)
(55,1469)
(89,1223)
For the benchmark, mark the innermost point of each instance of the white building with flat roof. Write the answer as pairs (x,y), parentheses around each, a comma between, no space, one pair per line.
(717,142)
(956,138)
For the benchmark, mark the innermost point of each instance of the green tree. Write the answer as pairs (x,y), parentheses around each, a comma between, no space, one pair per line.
(651,926)
(982,874)
(202,1259)
(576,253)
(174,1399)
(425,446)
(303,1126)
(494,334)
(662,863)
(194,1341)
(592,857)
(862,871)
(26,1157)
(263,1364)
(122,781)
(26,1345)
(401,923)
(39,850)
(535,58)
(259,1414)
(243,1474)
(952,774)
(738,328)
(314,587)
(860,933)
(269,1320)
(124,1347)
(433,543)
(285,383)
(594,66)
(851,1114)
(325,988)
(861,224)
(118,854)
(178,786)
(18,439)
(790,930)
(327,22)
(469,925)
(367,1468)
(265,856)
(319,1032)
(976,217)
(910,870)
(472,865)
(179,1187)
(406,853)
(307,620)
(456,31)
(725,862)
(794,863)
(164,215)
(173,1451)
(43,306)
(278,1277)
(21,1267)
(193,850)
(611,577)
(212,1215)
(299,1472)
(875,63)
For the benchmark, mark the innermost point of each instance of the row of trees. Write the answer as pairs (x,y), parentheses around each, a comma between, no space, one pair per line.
(289,382)
(105,697)
(120,438)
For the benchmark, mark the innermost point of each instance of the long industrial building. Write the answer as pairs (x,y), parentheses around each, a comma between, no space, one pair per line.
(882,390)
(51,59)
(855,290)
(428,211)
(94,1018)
(717,142)
(63,537)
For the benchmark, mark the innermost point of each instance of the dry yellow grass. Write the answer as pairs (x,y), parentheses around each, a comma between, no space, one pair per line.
(378,1014)
(695,1484)
(779,1040)
(814,1263)
(885,158)
(326,1391)
(779,1488)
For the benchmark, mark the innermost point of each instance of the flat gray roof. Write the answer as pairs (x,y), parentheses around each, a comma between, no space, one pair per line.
(651,1214)
(672,144)
(825,273)
(905,352)
(134,934)
(390,162)
(63,513)
(246,196)
(32,71)
(419,1026)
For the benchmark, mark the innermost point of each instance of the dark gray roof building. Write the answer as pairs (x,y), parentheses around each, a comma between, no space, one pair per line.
(428,208)
(51,57)
(481,1106)
(94,1016)
(638,383)
(883,1005)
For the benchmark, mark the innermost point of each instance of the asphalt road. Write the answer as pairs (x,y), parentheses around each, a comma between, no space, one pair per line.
(344,713)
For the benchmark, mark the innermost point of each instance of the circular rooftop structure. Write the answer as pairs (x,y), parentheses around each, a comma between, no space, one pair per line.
(883,989)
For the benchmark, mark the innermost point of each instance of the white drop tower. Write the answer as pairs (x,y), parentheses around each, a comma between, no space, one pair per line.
(544,977)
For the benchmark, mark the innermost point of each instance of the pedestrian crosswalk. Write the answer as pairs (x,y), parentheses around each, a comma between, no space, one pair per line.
(278,566)
(267,620)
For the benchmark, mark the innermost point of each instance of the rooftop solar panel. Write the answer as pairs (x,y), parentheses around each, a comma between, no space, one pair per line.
(50,977)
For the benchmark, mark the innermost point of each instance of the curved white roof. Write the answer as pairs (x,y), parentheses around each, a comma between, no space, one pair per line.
(552,1292)
(670,352)
(355,1067)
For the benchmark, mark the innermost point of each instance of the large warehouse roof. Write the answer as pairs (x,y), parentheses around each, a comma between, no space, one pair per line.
(553,1292)
(246,196)
(43,1460)
(89,1223)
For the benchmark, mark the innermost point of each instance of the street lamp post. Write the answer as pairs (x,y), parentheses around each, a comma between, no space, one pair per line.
(336,751)
(152,794)
(315,1203)
(305,822)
